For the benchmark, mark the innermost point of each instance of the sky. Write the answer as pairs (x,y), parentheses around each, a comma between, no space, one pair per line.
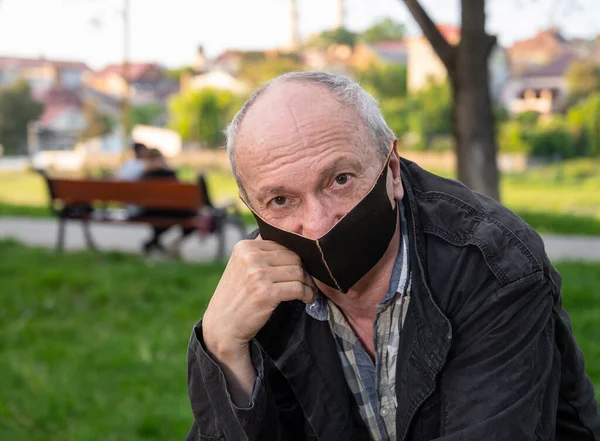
(169,32)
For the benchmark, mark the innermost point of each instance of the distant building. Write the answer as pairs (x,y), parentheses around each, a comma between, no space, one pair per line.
(542,49)
(61,121)
(382,52)
(425,66)
(540,89)
(42,74)
(216,79)
(147,81)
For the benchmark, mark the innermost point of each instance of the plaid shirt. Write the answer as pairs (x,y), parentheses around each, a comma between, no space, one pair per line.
(373,384)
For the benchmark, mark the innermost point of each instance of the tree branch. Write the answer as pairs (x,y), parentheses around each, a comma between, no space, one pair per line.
(440,45)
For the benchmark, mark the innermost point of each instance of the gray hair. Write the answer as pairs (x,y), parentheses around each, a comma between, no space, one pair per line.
(345,90)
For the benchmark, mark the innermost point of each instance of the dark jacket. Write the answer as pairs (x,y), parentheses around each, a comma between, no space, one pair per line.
(486,351)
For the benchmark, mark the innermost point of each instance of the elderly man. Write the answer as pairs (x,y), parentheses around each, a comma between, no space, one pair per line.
(379,302)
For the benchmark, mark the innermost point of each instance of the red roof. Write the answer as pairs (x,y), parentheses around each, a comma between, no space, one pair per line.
(548,40)
(60,97)
(449,31)
(136,70)
(556,68)
(23,63)
(51,113)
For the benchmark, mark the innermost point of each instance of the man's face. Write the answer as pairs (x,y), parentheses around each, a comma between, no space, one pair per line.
(305,160)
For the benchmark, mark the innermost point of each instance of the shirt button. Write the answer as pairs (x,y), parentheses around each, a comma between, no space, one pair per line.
(384,412)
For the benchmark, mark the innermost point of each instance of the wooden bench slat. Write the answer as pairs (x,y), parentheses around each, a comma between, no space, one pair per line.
(148,193)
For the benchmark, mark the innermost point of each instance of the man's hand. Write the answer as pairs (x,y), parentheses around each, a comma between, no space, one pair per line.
(260,275)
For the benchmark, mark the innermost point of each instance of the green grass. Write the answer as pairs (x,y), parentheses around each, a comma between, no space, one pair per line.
(93,346)
(562,199)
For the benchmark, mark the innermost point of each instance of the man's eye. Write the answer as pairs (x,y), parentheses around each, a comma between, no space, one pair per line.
(279,200)
(341,179)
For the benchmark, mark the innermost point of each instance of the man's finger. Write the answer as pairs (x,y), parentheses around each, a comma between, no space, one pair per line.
(295,290)
(290,273)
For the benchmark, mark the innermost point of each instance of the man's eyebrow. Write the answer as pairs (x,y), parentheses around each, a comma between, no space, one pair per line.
(264,193)
(344,163)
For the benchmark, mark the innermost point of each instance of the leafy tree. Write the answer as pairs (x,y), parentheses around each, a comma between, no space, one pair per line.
(258,70)
(202,115)
(386,29)
(331,37)
(384,80)
(17,108)
(528,118)
(583,79)
(148,114)
(175,74)
(422,116)
(511,138)
(97,124)
(553,140)
(584,118)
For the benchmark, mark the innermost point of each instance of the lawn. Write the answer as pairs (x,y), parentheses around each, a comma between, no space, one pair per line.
(93,346)
(563,198)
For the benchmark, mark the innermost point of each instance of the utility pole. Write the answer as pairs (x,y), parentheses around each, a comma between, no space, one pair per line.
(294,37)
(341,13)
(125,115)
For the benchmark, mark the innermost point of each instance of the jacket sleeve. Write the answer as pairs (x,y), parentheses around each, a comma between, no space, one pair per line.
(215,415)
(502,376)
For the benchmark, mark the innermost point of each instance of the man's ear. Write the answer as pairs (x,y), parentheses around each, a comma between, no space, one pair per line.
(397,188)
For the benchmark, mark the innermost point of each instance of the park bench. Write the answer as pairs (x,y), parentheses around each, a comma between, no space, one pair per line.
(99,200)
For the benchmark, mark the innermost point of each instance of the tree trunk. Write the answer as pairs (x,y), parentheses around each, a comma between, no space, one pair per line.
(472,106)
(468,72)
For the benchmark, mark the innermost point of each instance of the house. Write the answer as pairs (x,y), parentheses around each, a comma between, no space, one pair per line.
(543,48)
(215,79)
(42,74)
(386,52)
(540,89)
(147,82)
(62,119)
(425,66)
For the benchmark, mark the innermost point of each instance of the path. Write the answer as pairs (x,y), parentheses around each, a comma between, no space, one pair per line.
(128,238)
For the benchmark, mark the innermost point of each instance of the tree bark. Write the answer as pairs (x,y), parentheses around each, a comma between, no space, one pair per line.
(468,72)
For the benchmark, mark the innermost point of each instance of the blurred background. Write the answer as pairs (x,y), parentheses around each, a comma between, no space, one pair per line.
(93,344)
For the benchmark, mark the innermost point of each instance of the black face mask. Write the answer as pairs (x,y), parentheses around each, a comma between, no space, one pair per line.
(352,247)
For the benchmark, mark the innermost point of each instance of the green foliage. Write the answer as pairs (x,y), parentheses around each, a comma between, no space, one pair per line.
(383,30)
(528,118)
(511,138)
(583,79)
(260,69)
(97,124)
(430,113)
(149,114)
(584,118)
(384,81)
(553,140)
(201,116)
(331,37)
(175,74)
(17,108)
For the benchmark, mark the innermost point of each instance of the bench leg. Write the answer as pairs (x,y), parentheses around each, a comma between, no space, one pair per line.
(88,235)
(60,243)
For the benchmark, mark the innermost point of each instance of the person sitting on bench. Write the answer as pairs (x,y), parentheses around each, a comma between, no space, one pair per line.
(157,168)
